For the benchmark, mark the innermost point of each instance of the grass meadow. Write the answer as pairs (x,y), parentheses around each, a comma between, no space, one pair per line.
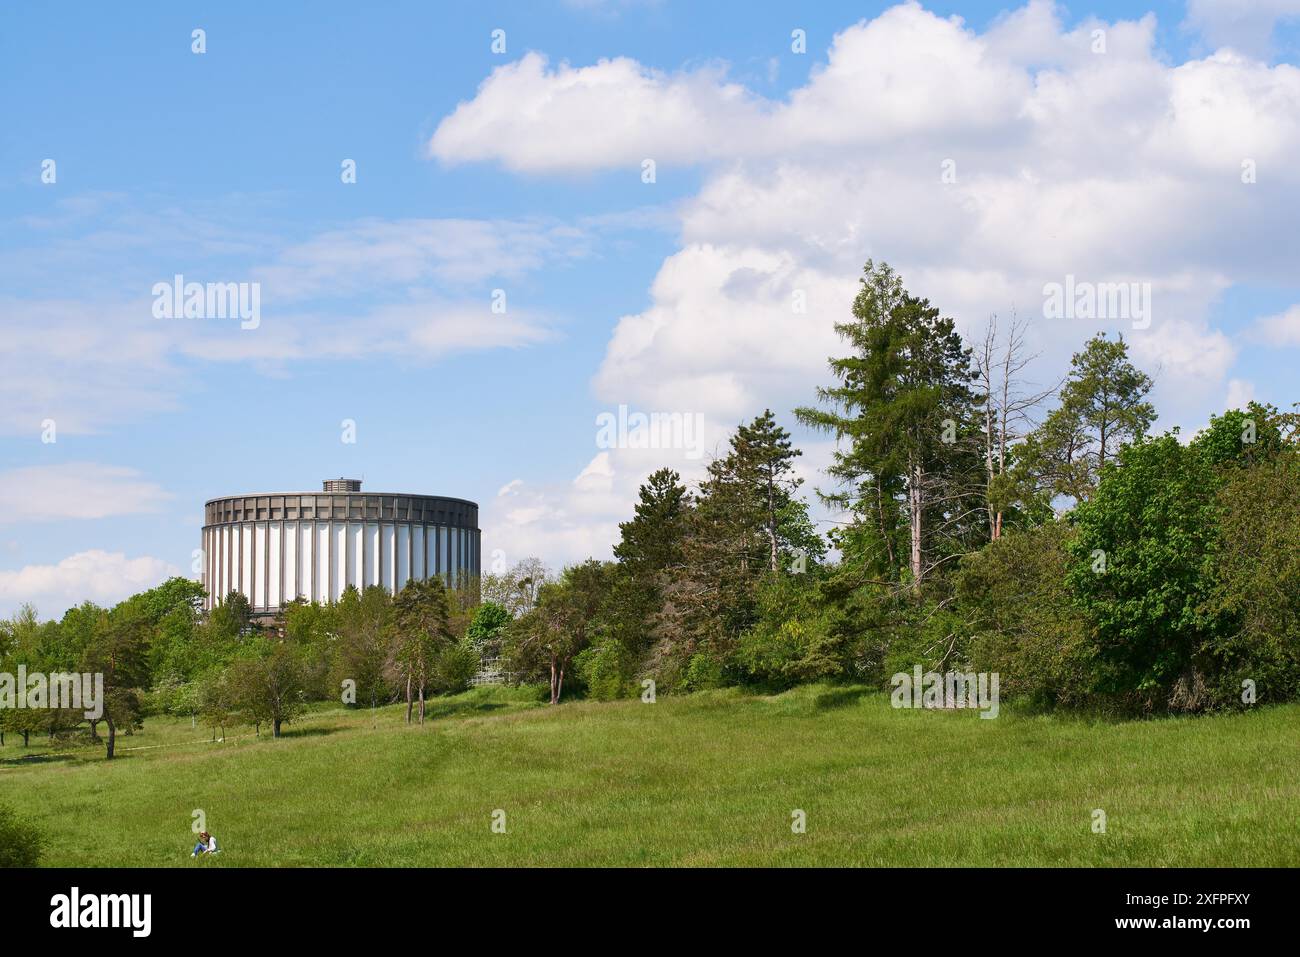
(703,780)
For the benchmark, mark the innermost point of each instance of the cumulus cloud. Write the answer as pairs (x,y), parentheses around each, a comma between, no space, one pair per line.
(94,575)
(982,165)
(75,490)
(537,119)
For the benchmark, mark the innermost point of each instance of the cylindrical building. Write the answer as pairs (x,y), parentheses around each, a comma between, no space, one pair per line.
(312,545)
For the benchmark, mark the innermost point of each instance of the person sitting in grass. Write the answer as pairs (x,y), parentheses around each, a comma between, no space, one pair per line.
(207,845)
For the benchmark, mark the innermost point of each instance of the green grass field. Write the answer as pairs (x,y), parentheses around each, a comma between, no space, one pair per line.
(709,779)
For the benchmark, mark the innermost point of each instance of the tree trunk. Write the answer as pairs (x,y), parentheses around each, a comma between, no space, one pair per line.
(916,500)
(408,699)
(554,697)
(885,535)
(27,735)
(112,734)
(988,445)
(771,518)
(421,702)
(275,731)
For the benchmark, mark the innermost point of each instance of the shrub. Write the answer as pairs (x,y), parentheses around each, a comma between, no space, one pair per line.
(1153,522)
(1023,623)
(793,639)
(703,672)
(607,669)
(21,843)
(1257,586)
(454,667)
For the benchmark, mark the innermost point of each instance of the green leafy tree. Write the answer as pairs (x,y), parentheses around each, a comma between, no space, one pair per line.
(217,700)
(1022,621)
(422,613)
(487,627)
(364,645)
(117,650)
(1257,584)
(452,668)
(234,615)
(567,618)
(270,688)
(1142,570)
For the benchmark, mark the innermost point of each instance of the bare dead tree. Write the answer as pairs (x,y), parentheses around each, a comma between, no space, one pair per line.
(1010,403)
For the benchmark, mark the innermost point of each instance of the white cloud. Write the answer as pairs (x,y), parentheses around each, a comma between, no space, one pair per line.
(615,113)
(1107,166)
(1240,394)
(373,254)
(75,490)
(99,576)
(80,364)
(1282,329)
(415,289)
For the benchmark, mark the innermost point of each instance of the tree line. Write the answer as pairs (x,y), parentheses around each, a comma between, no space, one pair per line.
(982,523)
(159,652)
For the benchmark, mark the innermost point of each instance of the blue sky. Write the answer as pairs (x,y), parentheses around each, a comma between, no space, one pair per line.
(225,167)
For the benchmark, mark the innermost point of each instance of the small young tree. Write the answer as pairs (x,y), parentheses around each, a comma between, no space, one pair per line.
(216,701)
(270,689)
(364,646)
(117,651)
(422,613)
(564,622)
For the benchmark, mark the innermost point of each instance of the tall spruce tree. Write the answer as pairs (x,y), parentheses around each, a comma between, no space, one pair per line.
(764,460)
(652,540)
(906,415)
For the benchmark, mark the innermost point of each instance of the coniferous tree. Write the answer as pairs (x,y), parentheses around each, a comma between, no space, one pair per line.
(907,415)
(1103,406)
(763,462)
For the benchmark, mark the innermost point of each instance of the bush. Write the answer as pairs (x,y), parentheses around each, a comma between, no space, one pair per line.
(607,669)
(793,640)
(454,667)
(1142,570)
(1024,624)
(704,672)
(1257,586)
(21,843)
